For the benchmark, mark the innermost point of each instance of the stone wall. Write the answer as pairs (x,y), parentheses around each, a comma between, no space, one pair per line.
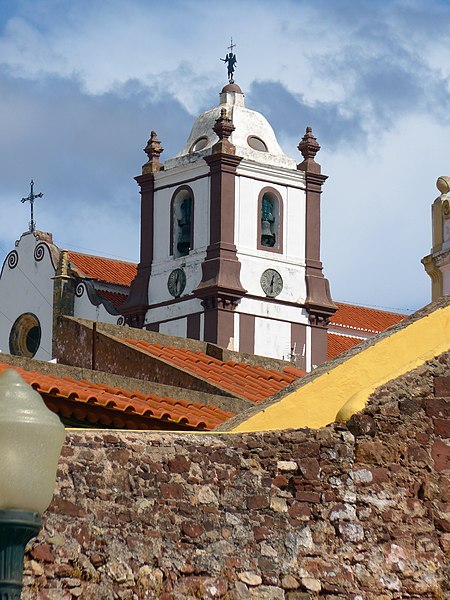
(355,512)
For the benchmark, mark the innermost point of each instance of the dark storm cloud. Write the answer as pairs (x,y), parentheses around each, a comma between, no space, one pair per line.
(79,146)
(289,114)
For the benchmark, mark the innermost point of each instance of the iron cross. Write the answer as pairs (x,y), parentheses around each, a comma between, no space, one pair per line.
(231,46)
(31,198)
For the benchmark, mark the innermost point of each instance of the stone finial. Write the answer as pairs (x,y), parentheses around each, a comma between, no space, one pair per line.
(309,147)
(443,184)
(153,149)
(223,127)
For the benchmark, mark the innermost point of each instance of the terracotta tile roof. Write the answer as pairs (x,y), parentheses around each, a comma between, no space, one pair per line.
(104,269)
(80,399)
(372,320)
(115,298)
(252,382)
(337,344)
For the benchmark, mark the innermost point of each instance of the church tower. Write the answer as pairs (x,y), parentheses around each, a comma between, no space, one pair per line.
(230,239)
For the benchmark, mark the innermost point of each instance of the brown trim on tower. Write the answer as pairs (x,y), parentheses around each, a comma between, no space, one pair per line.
(319,345)
(278,247)
(193,326)
(220,288)
(219,320)
(246,333)
(298,345)
(136,305)
(318,301)
(179,189)
(319,304)
(152,327)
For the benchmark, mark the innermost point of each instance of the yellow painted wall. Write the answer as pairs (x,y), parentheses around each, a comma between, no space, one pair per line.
(347,386)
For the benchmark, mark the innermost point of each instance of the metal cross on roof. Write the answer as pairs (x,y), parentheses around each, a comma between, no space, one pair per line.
(31,198)
(231,46)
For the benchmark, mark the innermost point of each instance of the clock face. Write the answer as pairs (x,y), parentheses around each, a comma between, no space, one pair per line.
(176,282)
(271,283)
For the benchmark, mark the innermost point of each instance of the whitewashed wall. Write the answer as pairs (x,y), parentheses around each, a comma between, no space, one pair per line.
(290,263)
(163,262)
(177,327)
(28,288)
(84,309)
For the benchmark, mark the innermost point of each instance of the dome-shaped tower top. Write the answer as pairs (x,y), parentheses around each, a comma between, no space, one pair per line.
(253,136)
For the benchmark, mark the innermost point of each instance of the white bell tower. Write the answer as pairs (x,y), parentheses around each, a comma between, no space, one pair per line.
(230,239)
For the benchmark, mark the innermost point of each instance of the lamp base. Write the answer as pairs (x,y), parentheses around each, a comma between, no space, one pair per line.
(17,527)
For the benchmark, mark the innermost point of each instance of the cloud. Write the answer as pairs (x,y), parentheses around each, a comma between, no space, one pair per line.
(84,82)
(328,119)
(82,150)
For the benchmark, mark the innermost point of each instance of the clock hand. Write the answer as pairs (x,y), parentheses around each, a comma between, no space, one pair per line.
(272,281)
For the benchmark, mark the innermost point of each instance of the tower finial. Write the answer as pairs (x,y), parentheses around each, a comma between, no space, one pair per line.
(153,149)
(230,60)
(309,147)
(223,127)
(31,198)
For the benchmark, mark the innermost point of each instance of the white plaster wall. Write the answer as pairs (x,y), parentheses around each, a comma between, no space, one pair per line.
(236,339)
(290,263)
(28,288)
(308,357)
(176,327)
(272,338)
(294,283)
(163,262)
(174,311)
(272,310)
(162,199)
(84,309)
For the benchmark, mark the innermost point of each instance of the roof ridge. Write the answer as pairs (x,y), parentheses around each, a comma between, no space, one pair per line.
(117,260)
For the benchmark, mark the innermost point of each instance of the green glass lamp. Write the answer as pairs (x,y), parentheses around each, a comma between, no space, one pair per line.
(31,438)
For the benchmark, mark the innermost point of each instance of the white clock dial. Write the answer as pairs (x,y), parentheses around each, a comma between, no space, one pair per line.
(176,282)
(271,283)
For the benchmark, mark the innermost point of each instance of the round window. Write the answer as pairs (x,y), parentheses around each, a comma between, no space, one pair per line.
(199,144)
(25,336)
(256,143)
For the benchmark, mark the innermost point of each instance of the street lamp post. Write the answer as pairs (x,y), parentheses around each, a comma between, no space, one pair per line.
(31,437)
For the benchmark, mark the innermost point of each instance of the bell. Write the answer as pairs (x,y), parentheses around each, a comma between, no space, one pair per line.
(267,237)
(184,240)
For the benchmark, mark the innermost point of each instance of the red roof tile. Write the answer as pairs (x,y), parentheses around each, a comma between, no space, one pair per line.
(366,319)
(104,269)
(115,298)
(337,344)
(252,382)
(72,398)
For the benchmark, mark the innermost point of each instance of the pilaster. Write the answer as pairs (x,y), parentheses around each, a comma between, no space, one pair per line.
(220,288)
(319,304)
(136,305)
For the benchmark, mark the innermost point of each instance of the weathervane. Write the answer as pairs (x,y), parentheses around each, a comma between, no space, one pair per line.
(31,198)
(231,60)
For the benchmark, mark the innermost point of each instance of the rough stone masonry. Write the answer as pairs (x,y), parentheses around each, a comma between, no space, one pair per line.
(356,511)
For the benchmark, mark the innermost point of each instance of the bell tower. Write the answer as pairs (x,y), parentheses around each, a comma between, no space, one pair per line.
(230,239)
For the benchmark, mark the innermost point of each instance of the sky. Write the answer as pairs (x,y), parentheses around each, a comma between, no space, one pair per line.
(82,84)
